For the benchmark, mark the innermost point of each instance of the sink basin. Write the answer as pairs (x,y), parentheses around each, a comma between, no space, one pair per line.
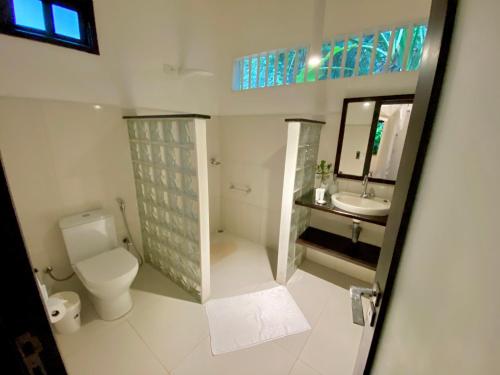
(364,206)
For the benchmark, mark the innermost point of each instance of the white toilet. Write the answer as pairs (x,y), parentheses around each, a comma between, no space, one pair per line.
(106,270)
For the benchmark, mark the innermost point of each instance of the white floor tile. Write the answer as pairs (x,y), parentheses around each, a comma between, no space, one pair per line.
(333,345)
(118,352)
(170,327)
(300,368)
(268,359)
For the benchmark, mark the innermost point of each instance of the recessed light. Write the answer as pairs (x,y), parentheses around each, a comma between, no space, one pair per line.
(314,61)
(366,104)
(97,107)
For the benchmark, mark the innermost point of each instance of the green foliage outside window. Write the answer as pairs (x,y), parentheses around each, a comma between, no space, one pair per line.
(378,137)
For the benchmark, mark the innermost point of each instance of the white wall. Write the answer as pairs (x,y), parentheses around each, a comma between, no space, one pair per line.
(443,316)
(214,173)
(253,154)
(135,40)
(63,158)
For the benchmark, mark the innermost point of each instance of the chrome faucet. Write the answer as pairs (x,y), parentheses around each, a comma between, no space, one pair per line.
(365,194)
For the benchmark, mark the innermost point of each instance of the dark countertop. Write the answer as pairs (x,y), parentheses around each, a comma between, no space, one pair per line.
(308,200)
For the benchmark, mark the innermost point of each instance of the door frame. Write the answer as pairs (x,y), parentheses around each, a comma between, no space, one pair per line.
(429,84)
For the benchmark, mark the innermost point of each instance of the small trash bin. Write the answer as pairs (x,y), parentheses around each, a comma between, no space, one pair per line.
(71,321)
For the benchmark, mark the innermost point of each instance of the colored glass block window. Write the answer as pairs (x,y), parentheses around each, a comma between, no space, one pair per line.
(280,70)
(416,47)
(351,54)
(262,70)
(290,66)
(246,73)
(66,22)
(237,79)
(254,71)
(365,57)
(338,55)
(270,70)
(326,50)
(29,13)
(301,65)
(398,49)
(384,39)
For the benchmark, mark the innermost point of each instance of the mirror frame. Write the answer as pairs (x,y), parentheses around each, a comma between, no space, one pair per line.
(379,101)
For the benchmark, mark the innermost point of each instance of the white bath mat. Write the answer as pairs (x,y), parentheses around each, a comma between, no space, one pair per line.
(250,319)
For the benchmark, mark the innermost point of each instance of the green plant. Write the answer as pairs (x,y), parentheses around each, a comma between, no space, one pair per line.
(324,170)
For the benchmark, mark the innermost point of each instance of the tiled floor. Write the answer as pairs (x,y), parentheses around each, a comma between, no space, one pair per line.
(167,332)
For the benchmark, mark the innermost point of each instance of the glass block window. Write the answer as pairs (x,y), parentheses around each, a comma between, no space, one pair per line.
(326,50)
(351,54)
(416,47)
(365,57)
(384,39)
(68,23)
(398,49)
(381,51)
(262,70)
(301,65)
(290,66)
(280,70)
(338,56)
(270,70)
(253,72)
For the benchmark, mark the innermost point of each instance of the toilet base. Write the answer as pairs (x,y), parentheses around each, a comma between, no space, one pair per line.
(114,308)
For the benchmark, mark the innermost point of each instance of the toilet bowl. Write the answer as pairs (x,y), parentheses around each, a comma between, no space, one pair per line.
(106,270)
(108,277)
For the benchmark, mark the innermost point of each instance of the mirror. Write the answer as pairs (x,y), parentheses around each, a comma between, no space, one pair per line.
(371,137)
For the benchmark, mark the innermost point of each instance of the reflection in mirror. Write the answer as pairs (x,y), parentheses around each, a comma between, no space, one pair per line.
(389,140)
(358,123)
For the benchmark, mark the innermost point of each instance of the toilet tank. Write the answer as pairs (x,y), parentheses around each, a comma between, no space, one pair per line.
(88,234)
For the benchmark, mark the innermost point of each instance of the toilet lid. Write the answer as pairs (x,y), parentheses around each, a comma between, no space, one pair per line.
(107,266)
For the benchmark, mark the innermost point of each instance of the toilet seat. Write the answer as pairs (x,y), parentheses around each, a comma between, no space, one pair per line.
(107,267)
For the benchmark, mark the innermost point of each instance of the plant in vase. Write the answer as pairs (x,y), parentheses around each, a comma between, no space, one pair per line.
(323,170)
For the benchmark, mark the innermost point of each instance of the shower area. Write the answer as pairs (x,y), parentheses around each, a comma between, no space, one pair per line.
(216,198)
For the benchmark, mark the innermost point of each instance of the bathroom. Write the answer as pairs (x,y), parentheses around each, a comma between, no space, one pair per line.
(196,146)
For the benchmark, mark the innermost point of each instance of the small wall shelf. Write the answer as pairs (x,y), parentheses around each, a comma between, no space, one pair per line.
(308,200)
(359,253)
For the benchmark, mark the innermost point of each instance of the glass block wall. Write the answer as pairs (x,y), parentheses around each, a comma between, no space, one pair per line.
(165,169)
(307,156)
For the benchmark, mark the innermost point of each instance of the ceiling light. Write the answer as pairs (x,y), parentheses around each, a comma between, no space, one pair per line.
(97,107)
(366,104)
(314,61)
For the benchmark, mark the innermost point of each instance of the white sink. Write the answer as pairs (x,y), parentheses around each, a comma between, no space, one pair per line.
(364,206)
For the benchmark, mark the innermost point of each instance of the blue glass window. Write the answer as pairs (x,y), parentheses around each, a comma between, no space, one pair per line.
(365,58)
(326,50)
(270,69)
(384,39)
(398,49)
(253,72)
(66,21)
(301,65)
(290,65)
(29,13)
(262,71)
(237,69)
(350,59)
(280,70)
(246,73)
(338,54)
(416,47)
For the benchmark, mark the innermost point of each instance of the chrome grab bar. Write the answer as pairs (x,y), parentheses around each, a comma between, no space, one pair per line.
(246,189)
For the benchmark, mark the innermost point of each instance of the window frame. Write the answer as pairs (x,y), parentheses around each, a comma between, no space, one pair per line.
(84,8)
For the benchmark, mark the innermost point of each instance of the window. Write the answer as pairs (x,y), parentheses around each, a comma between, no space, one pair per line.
(379,51)
(68,23)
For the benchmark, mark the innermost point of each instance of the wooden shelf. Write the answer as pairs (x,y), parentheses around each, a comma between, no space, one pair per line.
(309,201)
(359,253)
